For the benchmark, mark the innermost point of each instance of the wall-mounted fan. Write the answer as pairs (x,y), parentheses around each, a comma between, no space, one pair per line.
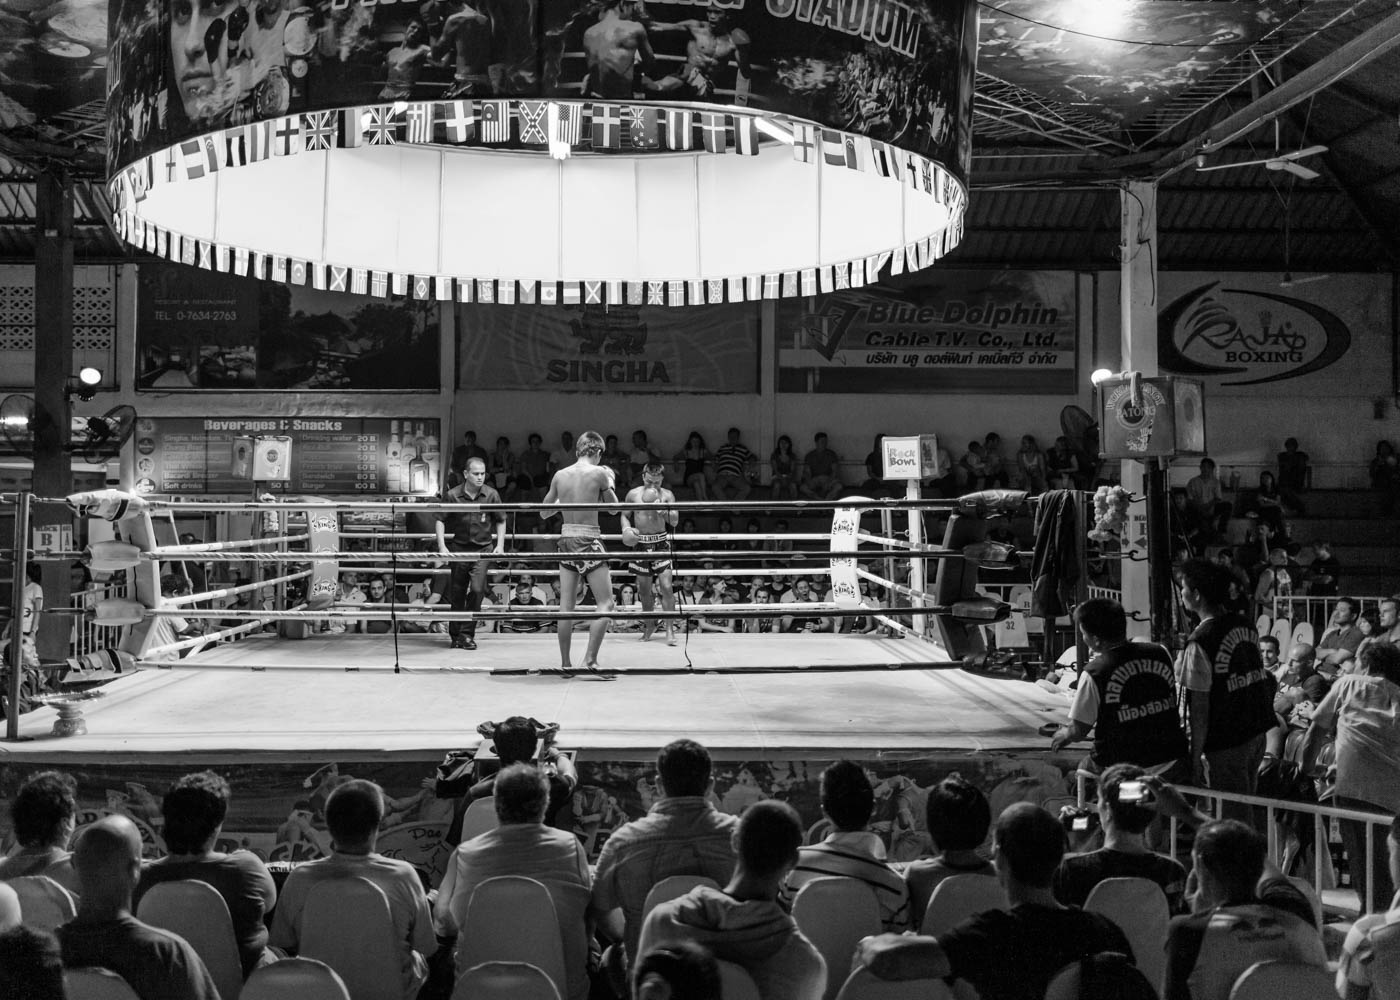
(94,438)
(1279,161)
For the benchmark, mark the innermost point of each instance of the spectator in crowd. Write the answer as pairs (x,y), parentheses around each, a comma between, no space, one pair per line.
(735,469)
(1362,711)
(874,483)
(1125,817)
(1241,590)
(973,474)
(563,456)
(1231,927)
(945,482)
(44,813)
(156,964)
(683,970)
(523,845)
(865,624)
(1293,475)
(1269,654)
(693,465)
(1031,468)
(782,465)
(31,965)
(821,471)
(1339,642)
(1063,465)
(470,449)
(994,462)
(532,469)
(802,593)
(194,811)
(744,923)
(523,596)
(1324,572)
(717,593)
(615,458)
(681,834)
(1385,477)
(168,630)
(500,468)
(1227,693)
(1126,695)
(1206,503)
(1372,945)
(1007,954)
(1266,503)
(642,454)
(378,593)
(852,851)
(353,814)
(958,817)
(1299,680)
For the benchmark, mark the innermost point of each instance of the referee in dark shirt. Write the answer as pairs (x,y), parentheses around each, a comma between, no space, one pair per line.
(478,531)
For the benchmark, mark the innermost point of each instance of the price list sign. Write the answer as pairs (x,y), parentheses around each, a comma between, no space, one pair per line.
(334,456)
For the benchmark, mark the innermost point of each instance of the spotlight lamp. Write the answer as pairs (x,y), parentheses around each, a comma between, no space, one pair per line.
(1099,375)
(85,384)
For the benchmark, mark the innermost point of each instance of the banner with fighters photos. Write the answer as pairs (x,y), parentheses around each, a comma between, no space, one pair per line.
(937,330)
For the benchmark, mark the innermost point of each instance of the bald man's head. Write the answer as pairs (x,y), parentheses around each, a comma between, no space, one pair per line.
(1304,659)
(108,857)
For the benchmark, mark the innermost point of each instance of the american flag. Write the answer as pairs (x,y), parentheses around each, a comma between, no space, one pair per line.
(607,126)
(736,289)
(419,121)
(318,130)
(459,118)
(680,130)
(565,126)
(532,123)
(495,121)
(381,128)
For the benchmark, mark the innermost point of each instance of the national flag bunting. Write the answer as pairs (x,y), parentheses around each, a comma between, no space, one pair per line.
(381,127)
(736,289)
(259,141)
(206,255)
(634,293)
(809,281)
(842,273)
(221,258)
(359,280)
(532,123)
(528,292)
(278,271)
(569,293)
(804,145)
(714,131)
(465,289)
(565,121)
(459,120)
(592,293)
(745,135)
(171,173)
(715,292)
(855,158)
(351,132)
(379,284)
(200,158)
(486,289)
(753,287)
(680,128)
(835,151)
(286,136)
(495,124)
(549,293)
(695,291)
(319,274)
(607,126)
(675,293)
(318,130)
(656,293)
(235,147)
(770,286)
(643,127)
(418,122)
(338,278)
(422,287)
(442,288)
(505,292)
(240,261)
(615,296)
(296,272)
(398,284)
(789,284)
(187,250)
(897,261)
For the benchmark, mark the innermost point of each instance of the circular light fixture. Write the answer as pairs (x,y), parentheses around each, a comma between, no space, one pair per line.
(746,151)
(1100,375)
(90,377)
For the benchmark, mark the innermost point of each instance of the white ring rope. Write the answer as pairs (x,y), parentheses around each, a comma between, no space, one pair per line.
(210,595)
(175,551)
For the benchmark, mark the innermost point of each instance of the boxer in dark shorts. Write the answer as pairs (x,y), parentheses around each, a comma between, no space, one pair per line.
(648,528)
(579,542)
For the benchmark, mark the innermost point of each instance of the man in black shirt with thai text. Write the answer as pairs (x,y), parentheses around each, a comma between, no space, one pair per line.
(476,531)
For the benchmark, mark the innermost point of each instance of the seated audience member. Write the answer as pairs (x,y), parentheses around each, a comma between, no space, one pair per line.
(1206,503)
(524,845)
(44,813)
(1338,644)
(972,474)
(1299,681)
(784,468)
(735,468)
(166,631)
(1006,954)
(1126,696)
(1293,475)
(848,799)
(744,923)
(353,813)
(683,970)
(516,740)
(958,818)
(681,834)
(1275,580)
(194,811)
(1265,503)
(995,462)
(1268,654)
(802,593)
(1324,572)
(821,475)
(523,597)
(1105,976)
(1373,942)
(1124,853)
(1063,465)
(874,483)
(31,966)
(156,964)
(1230,927)
(377,593)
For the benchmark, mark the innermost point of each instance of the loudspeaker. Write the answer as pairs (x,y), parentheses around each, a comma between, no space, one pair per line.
(1158,417)
(272,459)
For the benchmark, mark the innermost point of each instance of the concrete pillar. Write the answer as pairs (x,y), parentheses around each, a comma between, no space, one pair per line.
(1137,298)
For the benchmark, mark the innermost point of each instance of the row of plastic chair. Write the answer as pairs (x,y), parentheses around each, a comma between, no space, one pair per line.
(1287,633)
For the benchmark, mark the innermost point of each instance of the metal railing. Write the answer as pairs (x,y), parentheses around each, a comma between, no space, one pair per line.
(1318,610)
(89,636)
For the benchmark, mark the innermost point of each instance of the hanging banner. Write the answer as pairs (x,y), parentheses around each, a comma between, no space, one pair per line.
(959,331)
(197,329)
(614,349)
(1247,335)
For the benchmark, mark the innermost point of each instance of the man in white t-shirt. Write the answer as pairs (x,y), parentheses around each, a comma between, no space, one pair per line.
(29,615)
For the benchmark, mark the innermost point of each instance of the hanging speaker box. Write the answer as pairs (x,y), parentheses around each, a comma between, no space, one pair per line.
(1158,417)
(272,458)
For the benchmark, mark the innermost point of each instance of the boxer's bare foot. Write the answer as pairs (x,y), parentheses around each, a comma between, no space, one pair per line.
(647,633)
(593,669)
(670,637)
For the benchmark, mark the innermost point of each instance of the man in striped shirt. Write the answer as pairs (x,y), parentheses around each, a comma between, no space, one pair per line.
(852,851)
(734,463)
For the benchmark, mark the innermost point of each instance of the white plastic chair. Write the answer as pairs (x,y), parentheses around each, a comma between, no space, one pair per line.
(834,914)
(1139,907)
(1283,981)
(511,918)
(862,985)
(1303,632)
(346,923)
(479,817)
(195,911)
(44,903)
(672,887)
(735,983)
(504,981)
(1264,624)
(958,897)
(93,983)
(294,979)
(1283,632)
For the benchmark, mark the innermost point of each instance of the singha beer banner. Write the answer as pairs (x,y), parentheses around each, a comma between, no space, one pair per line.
(960,331)
(591,348)
(897,71)
(1246,334)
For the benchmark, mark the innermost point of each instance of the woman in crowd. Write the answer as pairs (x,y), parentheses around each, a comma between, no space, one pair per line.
(1267,503)
(44,813)
(1062,464)
(500,467)
(693,463)
(1030,465)
(1274,581)
(1362,713)
(994,462)
(784,465)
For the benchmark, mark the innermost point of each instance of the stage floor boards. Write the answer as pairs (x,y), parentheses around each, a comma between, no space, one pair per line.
(242,701)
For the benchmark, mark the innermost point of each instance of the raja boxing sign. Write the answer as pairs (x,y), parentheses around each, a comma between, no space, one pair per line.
(910,457)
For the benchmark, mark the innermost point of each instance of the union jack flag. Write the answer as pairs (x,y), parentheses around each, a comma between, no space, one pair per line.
(318,130)
(381,128)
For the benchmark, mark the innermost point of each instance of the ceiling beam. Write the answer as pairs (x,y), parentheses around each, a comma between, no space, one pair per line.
(1374,42)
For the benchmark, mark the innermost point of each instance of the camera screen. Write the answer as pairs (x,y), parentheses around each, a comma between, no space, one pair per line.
(1132,791)
(1079,823)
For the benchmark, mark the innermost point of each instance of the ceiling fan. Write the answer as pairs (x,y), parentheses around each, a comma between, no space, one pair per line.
(1279,161)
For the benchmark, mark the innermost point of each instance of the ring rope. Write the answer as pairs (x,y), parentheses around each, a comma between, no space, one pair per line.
(794,610)
(206,638)
(797,506)
(246,543)
(210,595)
(523,556)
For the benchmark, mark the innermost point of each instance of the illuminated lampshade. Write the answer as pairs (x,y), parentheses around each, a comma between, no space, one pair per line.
(758,150)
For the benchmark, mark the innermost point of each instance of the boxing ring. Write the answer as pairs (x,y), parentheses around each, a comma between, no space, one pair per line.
(267,683)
